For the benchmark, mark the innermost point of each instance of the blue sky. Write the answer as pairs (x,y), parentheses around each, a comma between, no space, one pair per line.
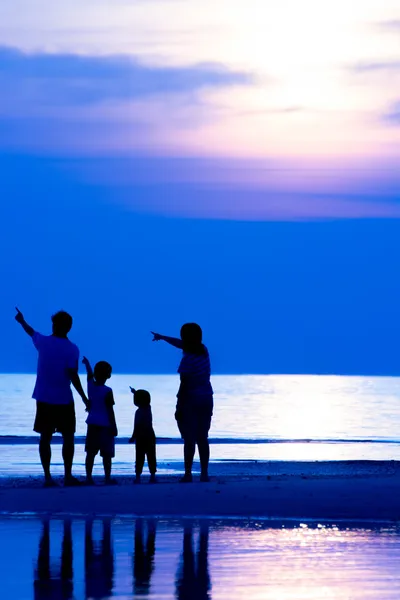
(231,166)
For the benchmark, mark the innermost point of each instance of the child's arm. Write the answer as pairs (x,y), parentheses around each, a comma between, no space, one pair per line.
(89,370)
(19,317)
(110,411)
(133,437)
(176,342)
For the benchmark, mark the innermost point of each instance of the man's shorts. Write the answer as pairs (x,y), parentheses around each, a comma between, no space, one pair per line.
(100,439)
(52,418)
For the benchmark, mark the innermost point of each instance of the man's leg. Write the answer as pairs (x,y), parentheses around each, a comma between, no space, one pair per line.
(89,462)
(107,461)
(66,425)
(45,454)
(68,451)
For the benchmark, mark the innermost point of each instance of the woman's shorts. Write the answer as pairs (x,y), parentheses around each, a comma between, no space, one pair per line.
(100,439)
(52,418)
(194,423)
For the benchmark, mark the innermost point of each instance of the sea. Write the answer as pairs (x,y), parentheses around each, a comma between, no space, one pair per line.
(257,418)
(82,559)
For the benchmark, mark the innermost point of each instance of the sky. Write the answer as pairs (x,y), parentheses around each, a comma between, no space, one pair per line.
(227,162)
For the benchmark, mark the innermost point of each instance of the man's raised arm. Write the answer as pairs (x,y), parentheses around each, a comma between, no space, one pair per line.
(19,317)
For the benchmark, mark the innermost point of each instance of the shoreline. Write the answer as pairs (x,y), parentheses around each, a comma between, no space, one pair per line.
(328,491)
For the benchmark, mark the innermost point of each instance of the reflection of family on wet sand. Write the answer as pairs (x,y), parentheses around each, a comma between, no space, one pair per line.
(58,362)
(55,579)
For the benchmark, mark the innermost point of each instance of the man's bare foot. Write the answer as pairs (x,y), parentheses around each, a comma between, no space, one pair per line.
(110,481)
(71,481)
(187,478)
(137,479)
(153,478)
(90,481)
(49,482)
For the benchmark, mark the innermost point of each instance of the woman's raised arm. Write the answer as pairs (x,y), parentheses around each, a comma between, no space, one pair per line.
(176,342)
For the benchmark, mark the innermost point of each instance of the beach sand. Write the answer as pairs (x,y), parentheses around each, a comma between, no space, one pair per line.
(325,491)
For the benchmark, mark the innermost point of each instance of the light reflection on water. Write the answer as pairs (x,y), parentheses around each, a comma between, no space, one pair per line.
(252,407)
(198,560)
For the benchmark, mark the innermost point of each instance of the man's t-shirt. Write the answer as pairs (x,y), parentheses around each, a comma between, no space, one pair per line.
(56,356)
(98,413)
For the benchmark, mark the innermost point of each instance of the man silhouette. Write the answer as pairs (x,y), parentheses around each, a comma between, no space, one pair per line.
(55,410)
(54,581)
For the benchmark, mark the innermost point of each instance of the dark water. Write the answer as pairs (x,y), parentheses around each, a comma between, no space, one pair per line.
(197,560)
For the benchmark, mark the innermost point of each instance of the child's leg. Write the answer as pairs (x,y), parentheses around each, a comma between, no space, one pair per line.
(89,465)
(140,456)
(151,457)
(107,451)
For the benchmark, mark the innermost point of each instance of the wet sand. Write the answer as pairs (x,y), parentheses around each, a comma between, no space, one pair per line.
(352,490)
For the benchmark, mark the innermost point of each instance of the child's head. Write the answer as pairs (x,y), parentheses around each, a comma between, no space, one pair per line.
(62,323)
(141,398)
(102,371)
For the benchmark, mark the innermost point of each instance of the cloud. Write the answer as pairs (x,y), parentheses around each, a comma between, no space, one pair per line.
(69,79)
(376,66)
(393,114)
(391,25)
(218,189)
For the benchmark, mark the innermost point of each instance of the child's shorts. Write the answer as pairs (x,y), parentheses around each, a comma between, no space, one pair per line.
(100,439)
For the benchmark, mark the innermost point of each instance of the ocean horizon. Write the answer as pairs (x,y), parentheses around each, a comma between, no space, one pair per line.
(256,418)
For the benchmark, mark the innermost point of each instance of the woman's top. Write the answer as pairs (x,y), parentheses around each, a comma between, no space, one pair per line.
(98,412)
(195,372)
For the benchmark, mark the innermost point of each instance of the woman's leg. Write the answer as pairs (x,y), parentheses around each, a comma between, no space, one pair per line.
(204,453)
(188,453)
(203,427)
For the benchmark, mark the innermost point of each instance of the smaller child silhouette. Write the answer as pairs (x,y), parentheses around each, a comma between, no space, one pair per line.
(143,435)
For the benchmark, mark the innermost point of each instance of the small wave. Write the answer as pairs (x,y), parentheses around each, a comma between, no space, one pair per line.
(24,440)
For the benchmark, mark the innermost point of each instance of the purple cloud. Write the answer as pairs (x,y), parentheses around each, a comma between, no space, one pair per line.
(70,79)
(196,188)
(393,114)
(391,25)
(376,66)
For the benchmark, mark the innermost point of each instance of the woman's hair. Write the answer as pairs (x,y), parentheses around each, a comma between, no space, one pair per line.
(192,336)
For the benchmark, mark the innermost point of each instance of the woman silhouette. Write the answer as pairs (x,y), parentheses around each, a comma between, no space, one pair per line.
(194,407)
